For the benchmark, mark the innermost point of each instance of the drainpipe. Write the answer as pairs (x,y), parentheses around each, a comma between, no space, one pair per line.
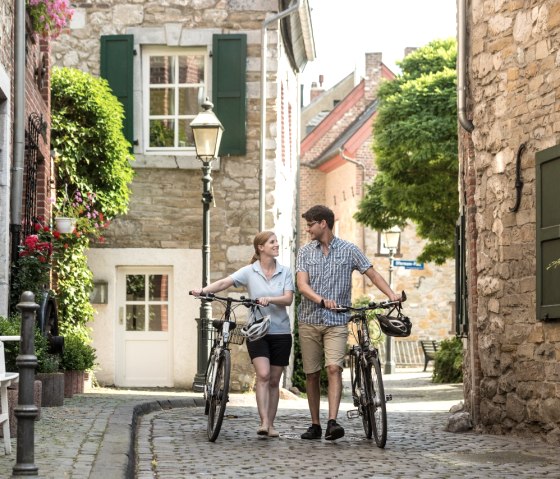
(353,161)
(264,49)
(19,128)
(462,68)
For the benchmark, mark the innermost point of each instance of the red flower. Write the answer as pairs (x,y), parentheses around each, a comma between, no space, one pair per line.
(37,227)
(56,234)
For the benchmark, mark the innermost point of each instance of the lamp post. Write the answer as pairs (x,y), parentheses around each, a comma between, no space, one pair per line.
(391,240)
(207,132)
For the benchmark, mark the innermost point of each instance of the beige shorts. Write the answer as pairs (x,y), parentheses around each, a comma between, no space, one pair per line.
(316,340)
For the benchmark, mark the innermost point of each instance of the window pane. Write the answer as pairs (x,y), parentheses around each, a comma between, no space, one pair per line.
(135,287)
(161,69)
(186,137)
(162,101)
(191,69)
(135,317)
(158,285)
(188,101)
(158,317)
(162,133)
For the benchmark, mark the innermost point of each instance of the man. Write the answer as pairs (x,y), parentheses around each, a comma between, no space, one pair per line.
(324,278)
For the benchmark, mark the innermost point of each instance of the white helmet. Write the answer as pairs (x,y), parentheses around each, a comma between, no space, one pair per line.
(257,326)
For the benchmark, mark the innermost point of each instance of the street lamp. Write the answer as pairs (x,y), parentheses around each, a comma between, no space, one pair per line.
(207,133)
(391,239)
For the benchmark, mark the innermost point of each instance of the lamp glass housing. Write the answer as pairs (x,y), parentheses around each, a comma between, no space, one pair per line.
(207,132)
(391,238)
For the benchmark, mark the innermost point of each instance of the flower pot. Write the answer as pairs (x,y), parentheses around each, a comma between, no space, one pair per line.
(65,225)
(52,390)
(73,383)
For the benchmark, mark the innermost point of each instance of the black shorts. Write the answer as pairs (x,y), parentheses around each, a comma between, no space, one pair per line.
(275,347)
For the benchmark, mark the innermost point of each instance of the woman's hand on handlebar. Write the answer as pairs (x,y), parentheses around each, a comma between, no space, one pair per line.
(196,292)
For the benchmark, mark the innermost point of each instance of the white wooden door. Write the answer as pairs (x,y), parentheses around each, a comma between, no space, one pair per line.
(144,327)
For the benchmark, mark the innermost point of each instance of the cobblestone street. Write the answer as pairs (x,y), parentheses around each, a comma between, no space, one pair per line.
(173,443)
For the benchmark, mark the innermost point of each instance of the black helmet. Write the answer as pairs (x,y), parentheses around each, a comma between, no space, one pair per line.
(399,325)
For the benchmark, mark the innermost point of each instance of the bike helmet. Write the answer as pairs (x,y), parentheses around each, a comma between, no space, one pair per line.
(399,325)
(257,326)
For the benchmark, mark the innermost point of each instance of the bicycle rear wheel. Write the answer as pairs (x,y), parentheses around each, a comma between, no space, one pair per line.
(359,393)
(219,396)
(377,404)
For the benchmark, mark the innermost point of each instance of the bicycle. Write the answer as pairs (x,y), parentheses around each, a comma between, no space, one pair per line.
(218,368)
(368,393)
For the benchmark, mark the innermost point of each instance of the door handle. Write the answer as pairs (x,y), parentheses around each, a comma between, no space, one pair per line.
(121,314)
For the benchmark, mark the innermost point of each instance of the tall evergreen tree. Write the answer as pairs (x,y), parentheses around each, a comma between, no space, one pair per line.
(415,146)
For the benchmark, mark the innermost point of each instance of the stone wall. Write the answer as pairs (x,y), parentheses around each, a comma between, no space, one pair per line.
(513,380)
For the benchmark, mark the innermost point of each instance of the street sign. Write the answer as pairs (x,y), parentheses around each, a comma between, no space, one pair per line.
(408,264)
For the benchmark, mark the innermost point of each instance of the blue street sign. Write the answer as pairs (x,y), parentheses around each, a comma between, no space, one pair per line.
(408,264)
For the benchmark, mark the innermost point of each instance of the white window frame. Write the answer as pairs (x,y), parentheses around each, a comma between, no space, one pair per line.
(147,52)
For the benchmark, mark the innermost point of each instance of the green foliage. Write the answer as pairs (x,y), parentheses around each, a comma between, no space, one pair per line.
(74,285)
(78,355)
(448,363)
(298,376)
(415,144)
(375,334)
(93,154)
(11,326)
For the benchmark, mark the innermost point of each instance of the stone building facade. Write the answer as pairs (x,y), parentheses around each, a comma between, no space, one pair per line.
(337,164)
(509,179)
(37,162)
(162,232)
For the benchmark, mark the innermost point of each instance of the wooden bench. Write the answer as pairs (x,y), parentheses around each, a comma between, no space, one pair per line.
(6,379)
(429,347)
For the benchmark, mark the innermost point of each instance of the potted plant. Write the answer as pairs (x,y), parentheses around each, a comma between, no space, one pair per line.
(78,357)
(49,17)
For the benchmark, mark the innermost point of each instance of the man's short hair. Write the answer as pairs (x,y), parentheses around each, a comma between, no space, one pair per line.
(319,213)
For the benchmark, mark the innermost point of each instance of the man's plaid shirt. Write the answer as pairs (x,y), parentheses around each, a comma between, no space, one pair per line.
(329,276)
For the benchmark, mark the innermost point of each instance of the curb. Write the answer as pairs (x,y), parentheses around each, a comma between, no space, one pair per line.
(116,456)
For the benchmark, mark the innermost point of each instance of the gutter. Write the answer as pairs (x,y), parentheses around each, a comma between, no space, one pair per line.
(462,68)
(262,162)
(19,129)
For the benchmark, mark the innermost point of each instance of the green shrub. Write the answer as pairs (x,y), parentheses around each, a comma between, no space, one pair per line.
(448,363)
(77,355)
(46,363)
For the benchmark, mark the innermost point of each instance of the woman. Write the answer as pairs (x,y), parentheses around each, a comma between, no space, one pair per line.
(273,285)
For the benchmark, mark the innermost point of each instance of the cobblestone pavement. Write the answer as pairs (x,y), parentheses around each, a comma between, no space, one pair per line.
(91,437)
(173,443)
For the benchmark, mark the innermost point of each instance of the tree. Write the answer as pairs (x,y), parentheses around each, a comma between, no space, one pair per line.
(93,175)
(415,146)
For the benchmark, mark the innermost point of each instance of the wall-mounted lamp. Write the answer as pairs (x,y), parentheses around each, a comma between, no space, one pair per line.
(100,293)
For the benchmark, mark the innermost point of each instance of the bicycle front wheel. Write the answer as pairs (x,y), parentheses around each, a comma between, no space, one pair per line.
(377,405)
(360,392)
(219,396)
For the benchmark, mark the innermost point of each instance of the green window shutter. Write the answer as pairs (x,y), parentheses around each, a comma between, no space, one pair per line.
(229,65)
(117,53)
(548,233)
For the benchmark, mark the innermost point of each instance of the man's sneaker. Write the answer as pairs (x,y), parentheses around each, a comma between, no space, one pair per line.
(334,430)
(313,432)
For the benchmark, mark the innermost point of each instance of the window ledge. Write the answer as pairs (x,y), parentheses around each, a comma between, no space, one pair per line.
(183,162)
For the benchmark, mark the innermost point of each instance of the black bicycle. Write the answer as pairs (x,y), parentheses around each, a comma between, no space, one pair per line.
(218,369)
(368,393)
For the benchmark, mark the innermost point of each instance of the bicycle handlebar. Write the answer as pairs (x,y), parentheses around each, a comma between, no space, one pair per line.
(242,300)
(370,306)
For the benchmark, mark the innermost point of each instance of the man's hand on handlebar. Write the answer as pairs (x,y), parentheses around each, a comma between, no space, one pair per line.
(197,292)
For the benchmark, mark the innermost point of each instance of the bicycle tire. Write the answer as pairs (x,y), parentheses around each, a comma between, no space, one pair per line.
(377,404)
(359,393)
(220,395)
(208,382)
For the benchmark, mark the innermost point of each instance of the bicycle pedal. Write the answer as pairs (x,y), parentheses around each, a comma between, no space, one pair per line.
(388,397)
(352,414)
